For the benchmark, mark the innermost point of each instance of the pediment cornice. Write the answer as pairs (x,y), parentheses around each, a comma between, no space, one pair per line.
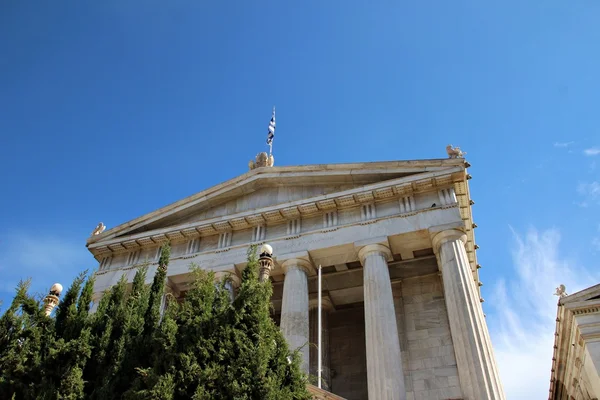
(446,174)
(354,173)
(581,296)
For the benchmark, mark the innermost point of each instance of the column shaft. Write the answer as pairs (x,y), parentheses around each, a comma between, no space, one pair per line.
(294,312)
(477,368)
(384,363)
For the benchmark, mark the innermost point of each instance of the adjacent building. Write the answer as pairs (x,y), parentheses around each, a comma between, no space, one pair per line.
(576,361)
(401,310)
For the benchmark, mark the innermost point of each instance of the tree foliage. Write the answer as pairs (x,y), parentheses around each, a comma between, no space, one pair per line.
(141,343)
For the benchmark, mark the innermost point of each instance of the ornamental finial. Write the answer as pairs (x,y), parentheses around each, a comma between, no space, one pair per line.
(455,152)
(561,291)
(99,229)
(262,160)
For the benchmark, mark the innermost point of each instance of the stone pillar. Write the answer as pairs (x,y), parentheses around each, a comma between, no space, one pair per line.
(96,297)
(294,308)
(384,363)
(477,370)
(232,282)
(326,307)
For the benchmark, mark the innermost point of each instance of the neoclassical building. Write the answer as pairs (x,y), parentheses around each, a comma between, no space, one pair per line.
(401,306)
(575,372)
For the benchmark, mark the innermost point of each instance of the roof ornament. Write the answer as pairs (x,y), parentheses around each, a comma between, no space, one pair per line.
(561,291)
(455,152)
(99,229)
(51,300)
(263,159)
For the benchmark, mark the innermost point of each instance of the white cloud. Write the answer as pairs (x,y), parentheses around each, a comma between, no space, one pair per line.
(44,258)
(563,144)
(591,191)
(593,151)
(522,329)
(596,243)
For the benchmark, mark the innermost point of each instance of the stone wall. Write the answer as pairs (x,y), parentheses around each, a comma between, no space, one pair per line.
(347,352)
(429,364)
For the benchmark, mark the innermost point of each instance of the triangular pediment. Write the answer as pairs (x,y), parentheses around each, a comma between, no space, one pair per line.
(269,187)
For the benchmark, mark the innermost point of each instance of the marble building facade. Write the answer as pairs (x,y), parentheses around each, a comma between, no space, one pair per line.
(402,313)
(575,372)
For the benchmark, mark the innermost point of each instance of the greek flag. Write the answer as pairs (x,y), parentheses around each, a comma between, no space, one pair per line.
(271,133)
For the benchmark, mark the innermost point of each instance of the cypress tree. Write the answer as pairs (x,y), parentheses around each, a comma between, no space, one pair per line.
(11,326)
(156,292)
(123,370)
(106,328)
(24,347)
(69,346)
(143,347)
(260,365)
(66,313)
(222,349)
(207,347)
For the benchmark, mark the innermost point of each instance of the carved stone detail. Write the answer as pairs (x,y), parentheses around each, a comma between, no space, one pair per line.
(455,152)
(262,160)
(561,291)
(99,229)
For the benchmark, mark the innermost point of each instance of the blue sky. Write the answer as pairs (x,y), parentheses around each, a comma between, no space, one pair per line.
(109,110)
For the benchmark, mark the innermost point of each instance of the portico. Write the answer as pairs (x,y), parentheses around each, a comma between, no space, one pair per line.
(396,245)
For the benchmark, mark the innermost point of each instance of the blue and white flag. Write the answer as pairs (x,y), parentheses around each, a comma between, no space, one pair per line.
(271,133)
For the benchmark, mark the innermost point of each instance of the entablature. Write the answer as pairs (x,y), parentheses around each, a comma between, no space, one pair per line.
(382,191)
(325,246)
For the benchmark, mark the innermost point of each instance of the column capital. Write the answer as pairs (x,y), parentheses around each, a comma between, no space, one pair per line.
(441,237)
(171,287)
(299,263)
(227,270)
(368,249)
(326,302)
(376,244)
(232,276)
(301,260)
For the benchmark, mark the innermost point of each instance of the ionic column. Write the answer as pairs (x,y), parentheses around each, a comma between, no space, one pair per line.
(231,284)
(96,297)
(384,363)
(477,370)
(294,308)
(326,307)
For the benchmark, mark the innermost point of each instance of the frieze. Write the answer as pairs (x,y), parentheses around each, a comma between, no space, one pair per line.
(324,234)
(293,212)
(305,208)
(322,238)
(587,310)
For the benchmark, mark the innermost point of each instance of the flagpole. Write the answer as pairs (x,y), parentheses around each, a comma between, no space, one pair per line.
(319,366)
(271,132)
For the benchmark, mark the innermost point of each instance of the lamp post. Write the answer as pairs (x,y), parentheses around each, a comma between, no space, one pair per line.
(266,262)
(51,300)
